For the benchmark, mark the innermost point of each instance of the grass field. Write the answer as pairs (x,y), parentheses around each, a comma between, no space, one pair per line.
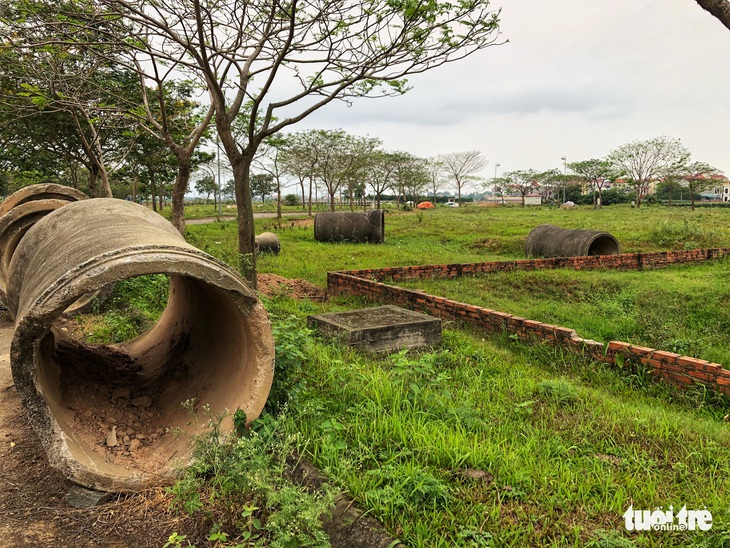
(482,441)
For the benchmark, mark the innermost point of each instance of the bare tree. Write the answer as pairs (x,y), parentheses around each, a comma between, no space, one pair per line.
(462,167)
(644,161)
(300,157)
(435,175)
(719,8)
(381,174)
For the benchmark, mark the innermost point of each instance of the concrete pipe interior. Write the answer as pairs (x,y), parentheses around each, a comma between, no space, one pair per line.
(603,245)
(118,417)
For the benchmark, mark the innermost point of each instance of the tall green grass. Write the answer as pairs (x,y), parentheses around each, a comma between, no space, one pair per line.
(485,442)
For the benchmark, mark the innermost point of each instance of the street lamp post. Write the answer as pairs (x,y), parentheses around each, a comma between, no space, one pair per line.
(565,172)
(495,176)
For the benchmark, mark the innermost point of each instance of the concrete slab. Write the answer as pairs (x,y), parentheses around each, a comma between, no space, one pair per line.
(379,329)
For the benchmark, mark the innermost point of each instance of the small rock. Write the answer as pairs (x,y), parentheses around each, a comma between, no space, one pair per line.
(142,402)
(111,437)
(121,393)
(127,439)
(103,390)
(134,445)
(159,431)
(141,436)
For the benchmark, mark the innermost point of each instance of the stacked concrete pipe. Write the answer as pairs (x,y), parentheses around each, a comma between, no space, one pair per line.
(118,418)
(23,209)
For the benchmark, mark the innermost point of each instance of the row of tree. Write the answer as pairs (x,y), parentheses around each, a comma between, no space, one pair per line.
(333,161)
(662,161)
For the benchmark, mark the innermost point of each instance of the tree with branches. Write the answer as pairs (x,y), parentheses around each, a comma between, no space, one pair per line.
(697,176)
(273,64)
(642,162)
(596,173)
(521,182)
(462,168)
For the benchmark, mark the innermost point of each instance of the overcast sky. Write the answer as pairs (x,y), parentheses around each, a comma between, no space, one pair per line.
(577,79)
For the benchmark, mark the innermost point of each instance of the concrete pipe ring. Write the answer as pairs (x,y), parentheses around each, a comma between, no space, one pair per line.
(13,225)
(44,191)
(212,346)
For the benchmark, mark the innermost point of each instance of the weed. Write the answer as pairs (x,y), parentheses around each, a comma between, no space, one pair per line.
(292,340)
(557,392)
(608,539)
(237,486)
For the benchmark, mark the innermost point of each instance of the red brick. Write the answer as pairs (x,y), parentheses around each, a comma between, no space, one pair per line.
(694,363)
(669,357)
(699,375)
(640,350)
(618,345)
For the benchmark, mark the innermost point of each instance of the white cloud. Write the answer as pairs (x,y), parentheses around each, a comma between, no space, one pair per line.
(577,78)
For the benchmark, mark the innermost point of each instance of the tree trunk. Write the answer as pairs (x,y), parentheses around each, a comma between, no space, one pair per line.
(153,191)
(241,165)
(105,181)
(278,203)
(92,180)
(178,192)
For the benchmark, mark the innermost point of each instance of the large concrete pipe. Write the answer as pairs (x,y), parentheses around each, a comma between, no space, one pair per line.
(348,226)
(112,417)
(20,211)
(552,241)
(44,191)
(268,242)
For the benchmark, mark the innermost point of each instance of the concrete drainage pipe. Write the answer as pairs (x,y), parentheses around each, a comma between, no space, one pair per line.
(20,211)
(110,417)
(552,241)
(350,226)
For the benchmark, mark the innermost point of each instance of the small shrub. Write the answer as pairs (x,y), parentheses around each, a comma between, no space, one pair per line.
(291,199)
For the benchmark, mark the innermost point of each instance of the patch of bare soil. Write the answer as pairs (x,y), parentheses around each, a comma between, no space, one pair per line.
(33,509)
(272,285)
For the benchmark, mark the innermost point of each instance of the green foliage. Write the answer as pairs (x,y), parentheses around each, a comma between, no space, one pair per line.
(131,308)
(291,200)
(237,485)
(292,340)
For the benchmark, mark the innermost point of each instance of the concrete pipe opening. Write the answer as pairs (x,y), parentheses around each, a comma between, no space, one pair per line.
(111,417)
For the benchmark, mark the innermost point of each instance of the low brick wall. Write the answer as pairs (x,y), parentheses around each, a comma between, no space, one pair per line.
(681,371)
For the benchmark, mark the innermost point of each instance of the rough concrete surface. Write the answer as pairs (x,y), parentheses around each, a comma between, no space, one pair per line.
(110,417)
(380,328)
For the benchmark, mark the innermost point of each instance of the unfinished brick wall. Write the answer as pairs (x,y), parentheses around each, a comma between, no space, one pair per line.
(681,371)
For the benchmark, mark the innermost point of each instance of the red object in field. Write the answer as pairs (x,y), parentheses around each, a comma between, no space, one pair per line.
(425,205)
